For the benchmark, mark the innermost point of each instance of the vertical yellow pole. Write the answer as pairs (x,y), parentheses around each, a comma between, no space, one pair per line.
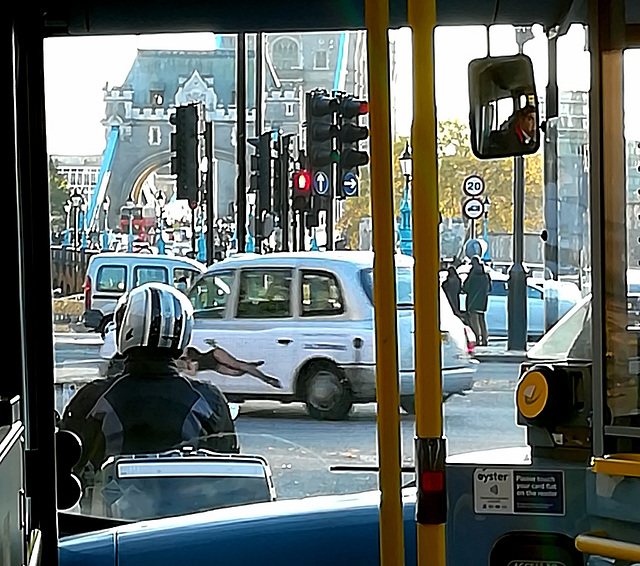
(384,289)
(428,388)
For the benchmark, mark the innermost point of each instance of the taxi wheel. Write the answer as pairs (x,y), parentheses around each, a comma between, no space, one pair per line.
(326,392)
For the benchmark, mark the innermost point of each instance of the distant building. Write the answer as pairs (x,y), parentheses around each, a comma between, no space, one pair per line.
(80,171)
(137,112)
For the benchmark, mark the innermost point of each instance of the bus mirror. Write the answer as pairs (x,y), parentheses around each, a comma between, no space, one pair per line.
(503,107)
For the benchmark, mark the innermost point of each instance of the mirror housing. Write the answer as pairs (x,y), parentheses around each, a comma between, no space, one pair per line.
(503,106)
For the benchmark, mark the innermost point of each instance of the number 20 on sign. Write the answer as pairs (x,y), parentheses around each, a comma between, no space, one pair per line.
(473,186)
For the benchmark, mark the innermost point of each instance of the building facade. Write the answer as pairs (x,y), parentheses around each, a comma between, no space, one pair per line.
(136,163)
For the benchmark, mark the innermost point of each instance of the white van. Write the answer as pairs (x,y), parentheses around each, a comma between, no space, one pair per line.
(109,275)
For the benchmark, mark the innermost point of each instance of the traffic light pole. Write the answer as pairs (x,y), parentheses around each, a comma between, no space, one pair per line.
(333,188)
(241,128)
(260,205)
(517,293)
(283,164)
(208,148)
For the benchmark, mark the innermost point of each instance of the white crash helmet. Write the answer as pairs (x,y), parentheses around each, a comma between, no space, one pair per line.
(154,315)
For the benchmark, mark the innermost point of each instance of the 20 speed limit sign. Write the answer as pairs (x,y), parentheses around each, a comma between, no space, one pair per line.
(473,186)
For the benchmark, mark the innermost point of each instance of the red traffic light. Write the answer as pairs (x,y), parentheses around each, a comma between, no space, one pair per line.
(350,107)
(302,180)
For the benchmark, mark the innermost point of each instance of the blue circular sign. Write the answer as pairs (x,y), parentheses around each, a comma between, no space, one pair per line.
(350,185)
(321,183)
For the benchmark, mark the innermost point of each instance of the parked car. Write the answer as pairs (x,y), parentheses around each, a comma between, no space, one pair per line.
(497,315)
(109,275)
(304,323)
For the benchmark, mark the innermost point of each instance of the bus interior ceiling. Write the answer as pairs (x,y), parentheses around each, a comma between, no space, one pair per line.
(122,17)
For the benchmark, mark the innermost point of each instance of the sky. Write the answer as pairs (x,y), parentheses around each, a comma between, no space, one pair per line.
(77,70)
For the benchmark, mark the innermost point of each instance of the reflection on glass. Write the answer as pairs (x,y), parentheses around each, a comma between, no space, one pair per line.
(621,306)
(569,339)
(504,107)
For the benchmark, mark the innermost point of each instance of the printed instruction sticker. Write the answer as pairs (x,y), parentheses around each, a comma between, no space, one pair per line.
(520,492)
(493,490)
(539,492)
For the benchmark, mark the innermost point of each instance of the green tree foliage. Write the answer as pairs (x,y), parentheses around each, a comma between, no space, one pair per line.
(359,207)
(456,162)
(58,195)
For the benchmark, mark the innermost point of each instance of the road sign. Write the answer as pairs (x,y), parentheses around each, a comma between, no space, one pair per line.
(473,208)
(473,186)
(321,183)
(350,185)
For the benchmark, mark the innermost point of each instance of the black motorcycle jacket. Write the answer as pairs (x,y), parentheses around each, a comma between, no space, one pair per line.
(149,408)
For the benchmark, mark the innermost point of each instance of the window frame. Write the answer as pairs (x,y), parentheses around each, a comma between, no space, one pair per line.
(324,273)
(137,268)
(98,289)
(231,298)
(292,286)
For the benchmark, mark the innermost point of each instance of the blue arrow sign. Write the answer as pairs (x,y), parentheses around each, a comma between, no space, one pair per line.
(350,185)
(321,183)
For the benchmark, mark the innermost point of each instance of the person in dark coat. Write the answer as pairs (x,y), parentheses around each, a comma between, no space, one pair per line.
(452,286)
(518,134)
(477,287)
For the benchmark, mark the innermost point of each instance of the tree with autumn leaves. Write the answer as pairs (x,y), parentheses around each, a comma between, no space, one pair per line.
(456,162)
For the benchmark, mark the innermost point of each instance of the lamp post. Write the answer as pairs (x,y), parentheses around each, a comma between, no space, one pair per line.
(160,200)
(66,241)
(485,229)
(251,201)
(517,295)
(404,229)
(105,234)
(83,228)
(76,201)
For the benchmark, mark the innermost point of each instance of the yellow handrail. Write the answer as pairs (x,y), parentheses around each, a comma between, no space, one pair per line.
(608,548)
(384,288)
(618,465)
(428,389)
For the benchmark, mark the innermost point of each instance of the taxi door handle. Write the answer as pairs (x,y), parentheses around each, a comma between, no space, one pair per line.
(284,341)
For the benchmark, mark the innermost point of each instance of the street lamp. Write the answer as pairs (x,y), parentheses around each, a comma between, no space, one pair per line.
(404,230)
(485,228)
(130,212)
(160,200)
(105,234)
(66,241)
(251,201)
(83,221)
(76,201)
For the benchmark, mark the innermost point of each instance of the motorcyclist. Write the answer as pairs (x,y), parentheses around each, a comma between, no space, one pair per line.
(150,407)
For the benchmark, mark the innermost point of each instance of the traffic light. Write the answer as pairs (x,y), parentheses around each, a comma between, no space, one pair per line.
(301,190)
(185,163)
(282,177)
(321,137)
(262,169)
(351,133)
